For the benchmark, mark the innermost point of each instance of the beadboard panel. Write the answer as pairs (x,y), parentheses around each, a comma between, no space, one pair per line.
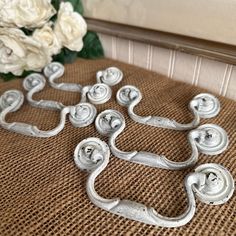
(188,72)
(230,85)
(215,76)
(211,75)
(122,47)
(160,60)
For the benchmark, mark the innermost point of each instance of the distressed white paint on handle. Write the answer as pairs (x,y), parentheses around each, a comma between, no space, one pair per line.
(203,105)
(80,116)
(209,139)
(92,155)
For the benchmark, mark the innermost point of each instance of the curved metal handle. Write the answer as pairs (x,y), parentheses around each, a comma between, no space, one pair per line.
(110,76)
(34,83)
(80,116)
(98,93)
(11,101)
(209,139)
(54,71)
(92,155)
(202,106)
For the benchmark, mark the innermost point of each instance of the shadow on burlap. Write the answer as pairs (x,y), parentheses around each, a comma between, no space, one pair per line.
(43,192)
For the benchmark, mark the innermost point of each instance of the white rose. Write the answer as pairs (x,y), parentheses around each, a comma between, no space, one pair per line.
(25,13)
(70,27)
(19,52)
(48,38)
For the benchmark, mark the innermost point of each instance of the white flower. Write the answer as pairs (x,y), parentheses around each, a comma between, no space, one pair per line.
(19,52)
(47,37)
(25,13)
(70,27)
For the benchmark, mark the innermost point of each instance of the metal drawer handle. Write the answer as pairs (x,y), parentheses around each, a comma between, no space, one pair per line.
(80,116)
(110,76)
(203,105)
(83,113)
(54,71)
(35,83)
(98,93)
(211,183)
(209,139)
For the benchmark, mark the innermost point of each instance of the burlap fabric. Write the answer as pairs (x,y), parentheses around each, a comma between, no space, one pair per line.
(43,192)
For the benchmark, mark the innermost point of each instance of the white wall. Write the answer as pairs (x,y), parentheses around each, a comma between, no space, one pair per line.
(213,20)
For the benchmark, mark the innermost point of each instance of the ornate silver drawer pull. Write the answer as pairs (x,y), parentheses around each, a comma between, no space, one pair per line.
(110,76)
(35,83)
(211,183)
(97,94)
(54,71)
(80,116)
(209,139)
(203,105)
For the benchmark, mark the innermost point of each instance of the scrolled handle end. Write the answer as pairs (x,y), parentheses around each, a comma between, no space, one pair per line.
(109,121)
(82,114)
(210,139)
(11,98)
(218,187)
(99,93)
(206,105)
(90,153)
(127,94)
(34,80)
(54,68)
(111,76)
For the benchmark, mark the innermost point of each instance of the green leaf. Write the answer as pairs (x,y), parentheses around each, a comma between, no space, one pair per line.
(28,32)
(92,47)
(60,57)
(26,73)
(66,56)
(7,77)
(10,76)
(70,56)
(56,4)
(77,4)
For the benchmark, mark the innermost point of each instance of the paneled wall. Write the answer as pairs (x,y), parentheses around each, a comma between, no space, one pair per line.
(216,76)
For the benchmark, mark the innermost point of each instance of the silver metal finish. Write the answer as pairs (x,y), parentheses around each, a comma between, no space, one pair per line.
(208,139)
(202,106)
(80,116)
(92,155)
(110,76)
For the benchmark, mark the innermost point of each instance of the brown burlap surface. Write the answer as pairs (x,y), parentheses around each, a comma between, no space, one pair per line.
(42,192)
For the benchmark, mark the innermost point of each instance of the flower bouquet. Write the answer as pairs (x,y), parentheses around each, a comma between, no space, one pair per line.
(33,33)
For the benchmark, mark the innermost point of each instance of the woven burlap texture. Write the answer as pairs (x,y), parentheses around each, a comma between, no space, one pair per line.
(43,193)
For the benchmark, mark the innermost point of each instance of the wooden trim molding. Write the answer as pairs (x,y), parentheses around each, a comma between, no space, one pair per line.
(203,48)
